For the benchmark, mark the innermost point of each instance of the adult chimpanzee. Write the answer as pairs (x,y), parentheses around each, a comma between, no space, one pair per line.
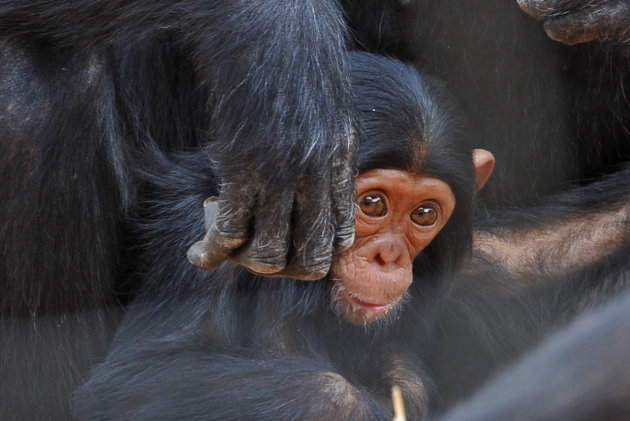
(230,344)
(86,86)
(87,83)
(553,115)
(534,270)
(564,113)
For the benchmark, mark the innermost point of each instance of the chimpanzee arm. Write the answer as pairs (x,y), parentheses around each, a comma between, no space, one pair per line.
(561,259)
(576,21)
(282,128)
(161,369)
(570,232)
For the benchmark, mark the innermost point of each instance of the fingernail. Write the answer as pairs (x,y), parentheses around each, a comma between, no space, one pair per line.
(197,256)
(209,201)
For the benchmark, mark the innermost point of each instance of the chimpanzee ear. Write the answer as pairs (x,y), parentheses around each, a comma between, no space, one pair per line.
(483,161)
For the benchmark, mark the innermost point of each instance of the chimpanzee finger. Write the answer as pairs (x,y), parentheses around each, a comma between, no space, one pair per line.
(197,253)
(226,228)
(578,22)
(266,252)
(342,195)
(311,252)
(587,25)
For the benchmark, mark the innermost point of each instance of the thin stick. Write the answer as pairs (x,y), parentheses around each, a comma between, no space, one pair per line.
(399,406)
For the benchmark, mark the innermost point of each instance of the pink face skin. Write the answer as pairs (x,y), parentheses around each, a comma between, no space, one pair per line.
(398,215)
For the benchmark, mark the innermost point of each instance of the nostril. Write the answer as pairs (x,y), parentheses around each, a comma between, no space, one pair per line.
(386,265)
(379,260)
(388,255)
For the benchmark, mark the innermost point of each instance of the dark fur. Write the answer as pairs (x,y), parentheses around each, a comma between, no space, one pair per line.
(579,373)
(278,344)
(243,346)
(554,116)
(490,316)
(87,86)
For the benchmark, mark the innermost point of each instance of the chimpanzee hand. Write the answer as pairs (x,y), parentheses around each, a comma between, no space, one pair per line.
(281,136)
(576,21)
(282,227)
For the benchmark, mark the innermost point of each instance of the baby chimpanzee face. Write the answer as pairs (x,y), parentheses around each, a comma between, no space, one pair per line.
(398,215)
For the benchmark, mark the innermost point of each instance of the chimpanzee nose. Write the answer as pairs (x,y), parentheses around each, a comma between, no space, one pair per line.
(389,252)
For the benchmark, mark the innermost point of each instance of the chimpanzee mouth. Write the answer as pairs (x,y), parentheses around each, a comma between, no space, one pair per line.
(371,308)
(371,305)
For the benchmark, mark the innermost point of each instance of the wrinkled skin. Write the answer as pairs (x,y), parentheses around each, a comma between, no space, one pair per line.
(282,232)
(398,215)
(577,21)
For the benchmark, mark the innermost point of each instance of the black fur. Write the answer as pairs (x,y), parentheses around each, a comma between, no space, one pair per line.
(580,372)
(278,344)
(244,346)
(90,90)
(555,116)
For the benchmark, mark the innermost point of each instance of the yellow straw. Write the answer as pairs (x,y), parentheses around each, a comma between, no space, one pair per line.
(399,406)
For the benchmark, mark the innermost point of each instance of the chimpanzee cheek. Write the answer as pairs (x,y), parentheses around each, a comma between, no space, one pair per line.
(345,265)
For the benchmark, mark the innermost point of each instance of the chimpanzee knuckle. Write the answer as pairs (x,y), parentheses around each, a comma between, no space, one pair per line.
(342,189)
(344,234)
(260,264)
(318,240)
(231,225)
(314,273)
(344,212)
(342,197)
(314,262)
(264,266)
(235,203)
(307,272)
(230,242)
(309,262)
(217,245)
(270,257)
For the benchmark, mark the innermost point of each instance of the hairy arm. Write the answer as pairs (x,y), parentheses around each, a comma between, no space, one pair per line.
(282,128)
(571,232)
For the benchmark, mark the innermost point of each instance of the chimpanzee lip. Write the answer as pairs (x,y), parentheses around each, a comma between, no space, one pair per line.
(376,307)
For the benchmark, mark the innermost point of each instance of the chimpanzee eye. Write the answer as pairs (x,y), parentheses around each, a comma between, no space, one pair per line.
(373,205)
(425,216)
